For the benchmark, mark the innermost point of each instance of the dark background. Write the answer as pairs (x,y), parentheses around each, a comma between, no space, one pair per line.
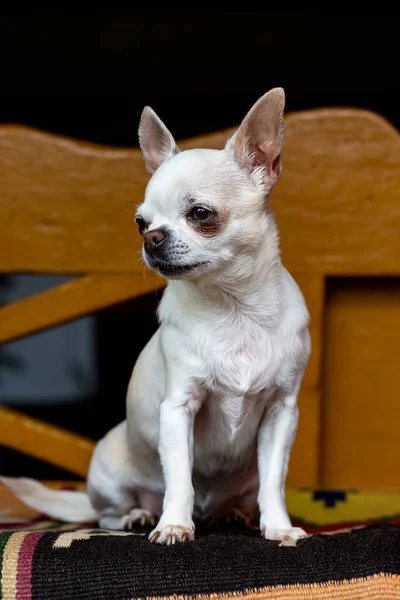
(89,77)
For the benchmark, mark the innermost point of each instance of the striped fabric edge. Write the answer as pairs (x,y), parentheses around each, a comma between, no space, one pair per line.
(41,524)
(381,586)
(16,556)
(310,528)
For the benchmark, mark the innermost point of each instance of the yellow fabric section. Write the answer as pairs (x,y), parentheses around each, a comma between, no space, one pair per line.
(358,506)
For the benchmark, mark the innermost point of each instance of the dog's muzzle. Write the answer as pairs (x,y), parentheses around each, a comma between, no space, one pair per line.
(156,242)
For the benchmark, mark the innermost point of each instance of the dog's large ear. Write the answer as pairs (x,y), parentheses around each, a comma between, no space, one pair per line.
(155,140)
(257,143)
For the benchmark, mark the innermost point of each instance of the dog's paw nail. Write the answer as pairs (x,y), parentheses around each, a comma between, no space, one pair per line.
(153,538)
(172,534)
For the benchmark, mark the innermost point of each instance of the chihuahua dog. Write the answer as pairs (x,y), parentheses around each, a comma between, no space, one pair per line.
(212,401)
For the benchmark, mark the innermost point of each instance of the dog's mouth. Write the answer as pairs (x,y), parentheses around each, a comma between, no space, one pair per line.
(177,271)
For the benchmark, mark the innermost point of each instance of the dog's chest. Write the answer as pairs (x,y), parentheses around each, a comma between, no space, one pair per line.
(240,361)
(240,375)
(225,433)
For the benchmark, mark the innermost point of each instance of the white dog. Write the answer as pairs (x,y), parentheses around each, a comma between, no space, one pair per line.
(212,401)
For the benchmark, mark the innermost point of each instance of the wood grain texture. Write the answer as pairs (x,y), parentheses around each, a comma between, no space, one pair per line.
(46,442)
(305,458)
(360,442)
(67,207)
(337,203)
(69,301)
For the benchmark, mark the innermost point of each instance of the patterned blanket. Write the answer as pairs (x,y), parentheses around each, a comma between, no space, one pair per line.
(343,558)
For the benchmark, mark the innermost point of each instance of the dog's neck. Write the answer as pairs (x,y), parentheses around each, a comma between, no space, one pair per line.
(250,285)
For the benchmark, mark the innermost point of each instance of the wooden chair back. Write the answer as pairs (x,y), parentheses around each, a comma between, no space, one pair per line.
(67,207)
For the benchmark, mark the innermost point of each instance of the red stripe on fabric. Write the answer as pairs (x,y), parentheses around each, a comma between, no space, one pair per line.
(331,527)
(25,562)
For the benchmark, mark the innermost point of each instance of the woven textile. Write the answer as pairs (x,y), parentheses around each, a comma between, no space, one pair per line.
(42,560)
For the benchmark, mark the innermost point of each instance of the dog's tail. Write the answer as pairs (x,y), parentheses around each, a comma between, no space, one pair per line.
(64,505)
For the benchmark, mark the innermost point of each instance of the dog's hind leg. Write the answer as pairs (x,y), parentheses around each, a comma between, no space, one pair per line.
(116,487)
(146,510)
(136,517)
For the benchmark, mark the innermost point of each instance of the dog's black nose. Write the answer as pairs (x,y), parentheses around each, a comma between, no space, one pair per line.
(155,238)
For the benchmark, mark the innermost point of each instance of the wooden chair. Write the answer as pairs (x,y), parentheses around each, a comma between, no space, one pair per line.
(67,207)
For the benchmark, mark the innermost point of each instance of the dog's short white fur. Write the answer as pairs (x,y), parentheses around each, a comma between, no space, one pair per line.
(212,402)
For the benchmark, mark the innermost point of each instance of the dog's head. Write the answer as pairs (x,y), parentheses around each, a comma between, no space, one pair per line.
(204,208)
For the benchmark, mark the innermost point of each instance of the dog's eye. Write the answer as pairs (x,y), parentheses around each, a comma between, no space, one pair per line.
(141,223)
(198,213)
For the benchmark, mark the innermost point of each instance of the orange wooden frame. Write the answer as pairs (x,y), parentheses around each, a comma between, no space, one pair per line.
(67,207)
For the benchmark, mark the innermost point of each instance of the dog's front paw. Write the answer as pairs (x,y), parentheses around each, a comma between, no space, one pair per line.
(170,534)
(292,534)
